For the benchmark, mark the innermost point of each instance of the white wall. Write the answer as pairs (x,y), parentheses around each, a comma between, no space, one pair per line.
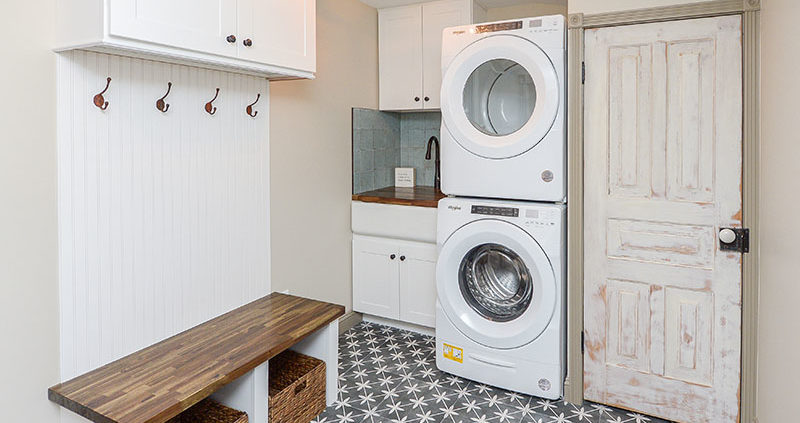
(28,285)
(310,138)
(525,10)
(779,313)
(779,320)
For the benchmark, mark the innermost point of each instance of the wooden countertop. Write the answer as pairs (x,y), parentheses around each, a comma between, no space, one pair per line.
(159,382)
(417,196)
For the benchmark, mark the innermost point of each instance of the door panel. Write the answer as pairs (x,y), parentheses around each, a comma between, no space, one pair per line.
(375,277)
(400,61)
(199,25)
(663,143)
(282,32)
(418,284)
(437,16)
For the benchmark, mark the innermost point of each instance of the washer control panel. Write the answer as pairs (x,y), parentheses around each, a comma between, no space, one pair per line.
(540,218)
(496,211)
(501,26)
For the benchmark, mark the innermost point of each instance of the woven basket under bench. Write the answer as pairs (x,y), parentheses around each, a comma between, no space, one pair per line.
(210,411)
(296,388)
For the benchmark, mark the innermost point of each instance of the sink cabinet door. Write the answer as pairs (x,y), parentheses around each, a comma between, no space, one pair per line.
(197,25)
(418,283)
(376,276)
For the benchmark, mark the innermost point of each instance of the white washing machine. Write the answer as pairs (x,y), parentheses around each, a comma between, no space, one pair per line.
(500,316)
(503,110)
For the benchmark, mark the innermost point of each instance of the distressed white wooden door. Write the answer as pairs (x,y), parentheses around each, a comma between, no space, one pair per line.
(663,169)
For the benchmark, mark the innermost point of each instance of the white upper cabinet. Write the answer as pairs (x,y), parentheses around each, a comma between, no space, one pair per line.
(281,32)
(400,57)
(410,50)
(273,38)
(198,25)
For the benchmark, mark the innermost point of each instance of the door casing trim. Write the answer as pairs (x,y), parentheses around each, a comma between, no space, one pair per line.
(751,143)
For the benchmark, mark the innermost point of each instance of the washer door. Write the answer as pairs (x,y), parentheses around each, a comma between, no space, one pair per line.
(500,96)
(495,284)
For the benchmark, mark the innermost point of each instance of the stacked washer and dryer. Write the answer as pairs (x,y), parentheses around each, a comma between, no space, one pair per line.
(500,314)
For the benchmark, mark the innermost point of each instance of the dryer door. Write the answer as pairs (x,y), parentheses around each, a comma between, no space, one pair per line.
(496,284)
(500,96)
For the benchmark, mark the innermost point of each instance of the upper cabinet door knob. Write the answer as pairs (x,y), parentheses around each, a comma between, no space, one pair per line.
(231,39)
(427,98)
(416,98)
(247,42)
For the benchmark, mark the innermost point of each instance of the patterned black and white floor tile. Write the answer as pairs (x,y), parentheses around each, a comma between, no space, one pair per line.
(389,375)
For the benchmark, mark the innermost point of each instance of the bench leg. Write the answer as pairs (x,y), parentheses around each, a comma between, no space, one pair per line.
(249,393)
(324,345)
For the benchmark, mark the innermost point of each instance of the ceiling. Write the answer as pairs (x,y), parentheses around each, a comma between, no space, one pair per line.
(488,4)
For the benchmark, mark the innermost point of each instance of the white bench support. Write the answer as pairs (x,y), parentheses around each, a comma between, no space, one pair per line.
(324,345)
(250,393)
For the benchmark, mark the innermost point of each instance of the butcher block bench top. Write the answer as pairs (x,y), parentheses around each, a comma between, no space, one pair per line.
(159,382)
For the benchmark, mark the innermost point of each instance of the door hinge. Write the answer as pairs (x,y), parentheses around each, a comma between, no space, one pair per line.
(582,343)
(583,72)
(734,239)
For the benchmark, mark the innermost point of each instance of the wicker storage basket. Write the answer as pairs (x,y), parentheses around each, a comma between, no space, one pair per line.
(210,411)
(296,388)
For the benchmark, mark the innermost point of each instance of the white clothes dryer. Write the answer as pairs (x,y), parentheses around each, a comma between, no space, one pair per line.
(503,110)
(500,316)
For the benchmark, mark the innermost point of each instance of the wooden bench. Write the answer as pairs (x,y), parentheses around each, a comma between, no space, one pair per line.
(226,356)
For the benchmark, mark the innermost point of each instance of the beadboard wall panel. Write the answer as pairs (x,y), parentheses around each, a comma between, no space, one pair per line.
(163,217)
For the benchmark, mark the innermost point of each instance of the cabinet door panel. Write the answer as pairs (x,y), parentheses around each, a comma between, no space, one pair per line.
(400,58)
(375,277)
(418,283)
(437,16)
(282,32)
(199,25)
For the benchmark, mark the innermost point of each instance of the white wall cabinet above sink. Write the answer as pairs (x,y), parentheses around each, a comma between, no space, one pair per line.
(410,50)
(272,38)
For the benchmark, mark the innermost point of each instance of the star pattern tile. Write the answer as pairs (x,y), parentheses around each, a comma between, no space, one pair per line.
(389,375)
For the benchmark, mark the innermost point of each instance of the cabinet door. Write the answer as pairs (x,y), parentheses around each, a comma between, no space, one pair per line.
(436,16)
(199,25)
(281,32)
(418,283)
(375,277)
(400,57)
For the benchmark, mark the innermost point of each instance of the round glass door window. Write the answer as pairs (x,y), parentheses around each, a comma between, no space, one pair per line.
(495,282)
(499,97)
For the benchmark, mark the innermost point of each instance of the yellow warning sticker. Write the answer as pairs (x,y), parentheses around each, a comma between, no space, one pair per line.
(453,353)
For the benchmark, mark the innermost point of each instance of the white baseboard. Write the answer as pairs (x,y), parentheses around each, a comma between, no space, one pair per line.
(400,325)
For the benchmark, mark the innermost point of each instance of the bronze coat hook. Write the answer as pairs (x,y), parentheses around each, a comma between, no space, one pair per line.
(99,101)
(210,108)
(161,105)
(250,107)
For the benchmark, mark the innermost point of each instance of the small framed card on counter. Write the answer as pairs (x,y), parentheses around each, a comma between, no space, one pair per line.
(405,177)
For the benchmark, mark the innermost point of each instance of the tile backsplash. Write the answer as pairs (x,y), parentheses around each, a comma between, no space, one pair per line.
(385,140)
(415,131)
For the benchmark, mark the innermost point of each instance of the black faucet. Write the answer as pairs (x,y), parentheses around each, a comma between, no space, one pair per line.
(437,179)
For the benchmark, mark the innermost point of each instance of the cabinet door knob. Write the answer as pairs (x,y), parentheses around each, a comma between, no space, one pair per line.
(231,39)
(402,258)
(392,256)
(247,42)
(416,98)
(427,98)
